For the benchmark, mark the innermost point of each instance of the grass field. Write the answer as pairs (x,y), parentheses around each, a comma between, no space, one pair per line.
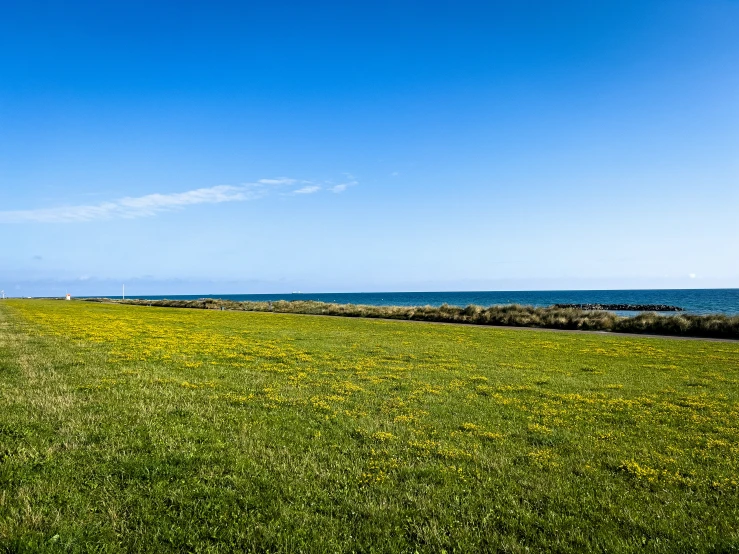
(127,428)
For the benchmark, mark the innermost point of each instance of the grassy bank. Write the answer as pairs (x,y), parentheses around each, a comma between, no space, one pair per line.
(514,315)
(128,429)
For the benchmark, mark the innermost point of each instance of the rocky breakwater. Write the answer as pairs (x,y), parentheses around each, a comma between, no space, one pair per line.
(624,307)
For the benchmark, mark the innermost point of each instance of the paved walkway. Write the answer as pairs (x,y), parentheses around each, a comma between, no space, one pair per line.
(515,328)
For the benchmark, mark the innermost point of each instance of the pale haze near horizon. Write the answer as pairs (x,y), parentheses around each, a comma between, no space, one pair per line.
(184,148)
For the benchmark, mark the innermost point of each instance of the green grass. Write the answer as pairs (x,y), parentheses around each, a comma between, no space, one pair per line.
(126,428)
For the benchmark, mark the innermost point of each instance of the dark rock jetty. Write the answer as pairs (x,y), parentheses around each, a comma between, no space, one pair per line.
(624,307)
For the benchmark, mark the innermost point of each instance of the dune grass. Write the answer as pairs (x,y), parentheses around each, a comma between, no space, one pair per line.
(513,315)
(127,428)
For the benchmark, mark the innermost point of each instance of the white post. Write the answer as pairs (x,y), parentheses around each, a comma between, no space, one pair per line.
(124,292)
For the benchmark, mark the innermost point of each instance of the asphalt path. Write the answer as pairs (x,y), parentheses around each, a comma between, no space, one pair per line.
(512,327)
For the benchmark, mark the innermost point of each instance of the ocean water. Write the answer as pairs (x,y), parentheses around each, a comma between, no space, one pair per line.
(695,301)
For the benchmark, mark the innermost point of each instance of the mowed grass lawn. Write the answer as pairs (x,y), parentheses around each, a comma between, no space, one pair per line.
(129,429)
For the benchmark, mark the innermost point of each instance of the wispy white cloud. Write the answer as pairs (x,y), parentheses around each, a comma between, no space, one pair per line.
(342,186)
(152,204)
(310,189)
(280,181)
(133,207)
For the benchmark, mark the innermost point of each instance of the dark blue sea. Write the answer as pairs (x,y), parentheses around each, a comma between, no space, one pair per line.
(695,301)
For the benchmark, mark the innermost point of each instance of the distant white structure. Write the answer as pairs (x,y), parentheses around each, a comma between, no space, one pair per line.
(124,293)
(69,296)
(3,292)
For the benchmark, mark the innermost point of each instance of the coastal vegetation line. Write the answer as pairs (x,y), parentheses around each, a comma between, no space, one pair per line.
(554,317)
(125,429)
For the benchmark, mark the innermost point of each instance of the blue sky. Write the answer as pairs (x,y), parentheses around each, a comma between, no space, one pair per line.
(193,147)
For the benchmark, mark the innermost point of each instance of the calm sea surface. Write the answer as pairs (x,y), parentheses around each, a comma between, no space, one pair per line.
(696,301)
